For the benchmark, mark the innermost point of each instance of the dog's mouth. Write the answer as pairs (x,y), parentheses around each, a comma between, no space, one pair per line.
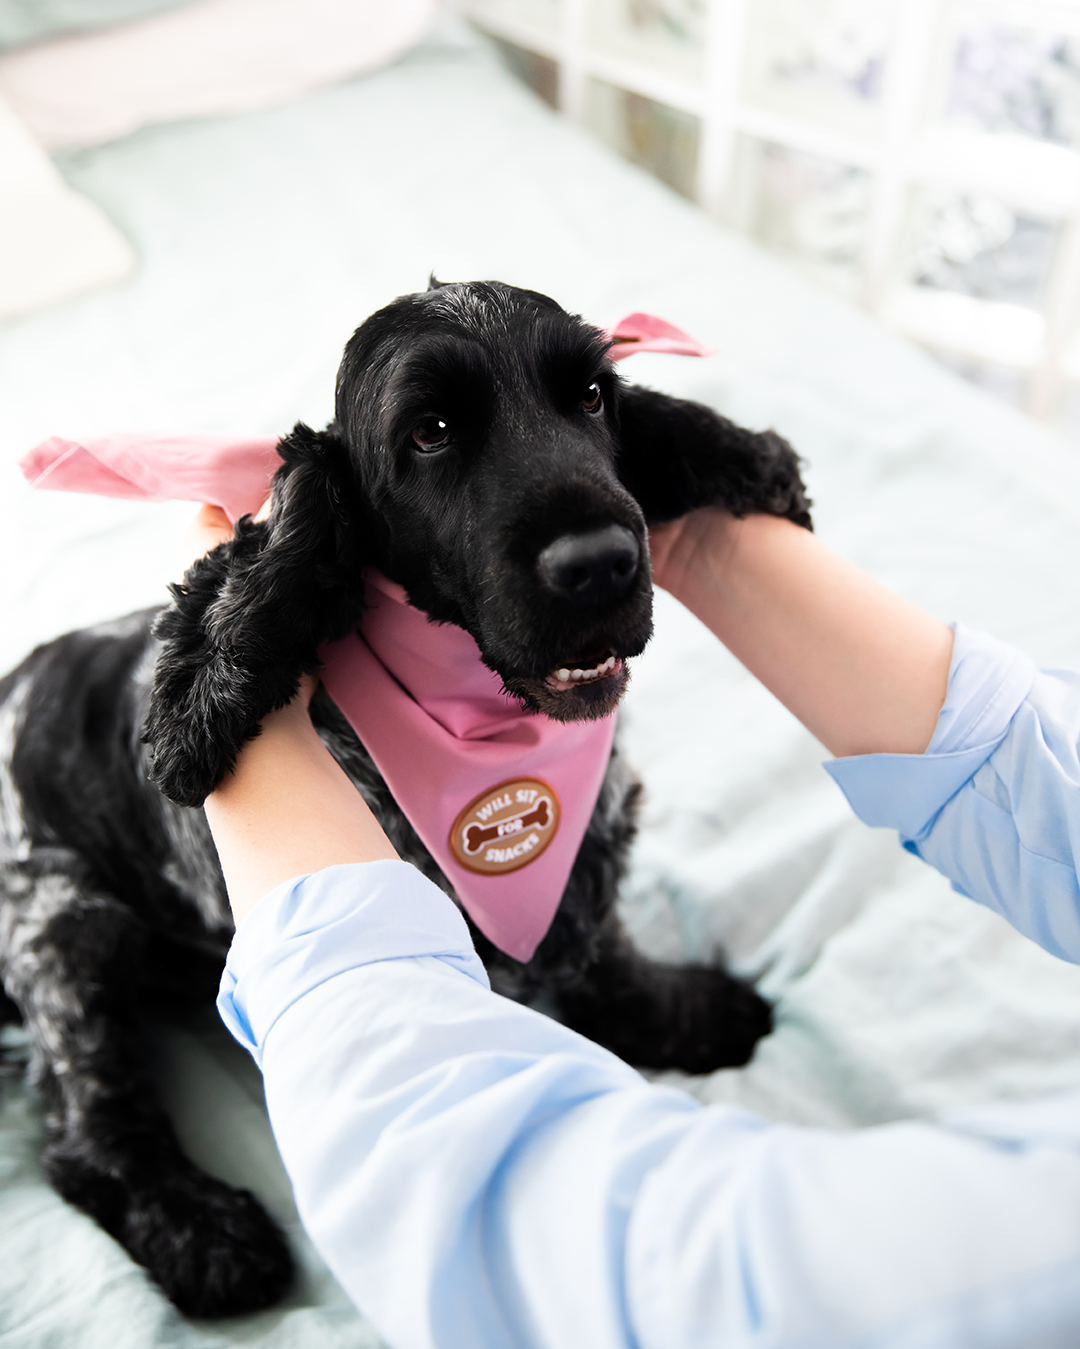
(578,666)
(585,670)
(581,688)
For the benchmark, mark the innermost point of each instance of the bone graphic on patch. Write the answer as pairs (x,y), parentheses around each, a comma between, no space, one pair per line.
(476,837)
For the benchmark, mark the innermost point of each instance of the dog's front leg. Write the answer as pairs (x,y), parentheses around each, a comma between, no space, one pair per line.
(675,455)
(72,956)
(696,1017)
(248,620)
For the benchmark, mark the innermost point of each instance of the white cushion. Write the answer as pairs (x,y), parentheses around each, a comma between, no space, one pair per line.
(53,242)
(205,59)
(24,21)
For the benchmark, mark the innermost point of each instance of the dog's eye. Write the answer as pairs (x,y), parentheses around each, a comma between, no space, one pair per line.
(431,434)
(593,400)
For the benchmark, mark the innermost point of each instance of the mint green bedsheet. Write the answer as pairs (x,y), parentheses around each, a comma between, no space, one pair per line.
(265,239)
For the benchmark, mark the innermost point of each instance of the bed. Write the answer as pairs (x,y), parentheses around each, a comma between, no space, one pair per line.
(263,240)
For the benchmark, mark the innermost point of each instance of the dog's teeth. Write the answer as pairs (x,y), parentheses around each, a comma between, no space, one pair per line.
(564,675)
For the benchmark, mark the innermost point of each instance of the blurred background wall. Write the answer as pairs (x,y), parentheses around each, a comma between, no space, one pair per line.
(921,157)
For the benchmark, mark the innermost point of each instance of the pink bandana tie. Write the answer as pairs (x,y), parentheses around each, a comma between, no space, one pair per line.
(500,797)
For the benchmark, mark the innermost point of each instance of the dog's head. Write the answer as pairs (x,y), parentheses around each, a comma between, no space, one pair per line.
(487,457)
(481,429)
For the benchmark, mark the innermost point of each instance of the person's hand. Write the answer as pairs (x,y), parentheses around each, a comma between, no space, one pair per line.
(209,527)
(286,808)
(294,715)
(863,669)
(686,548)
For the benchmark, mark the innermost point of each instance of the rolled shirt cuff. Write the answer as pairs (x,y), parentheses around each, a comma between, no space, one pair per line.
(313,927)
(988,682)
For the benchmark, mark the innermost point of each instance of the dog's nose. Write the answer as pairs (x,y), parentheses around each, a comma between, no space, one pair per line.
(590,569)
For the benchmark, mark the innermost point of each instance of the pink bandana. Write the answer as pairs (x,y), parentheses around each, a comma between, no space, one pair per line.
(500,797)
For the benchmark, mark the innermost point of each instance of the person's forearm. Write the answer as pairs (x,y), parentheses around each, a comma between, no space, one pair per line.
(286,810)
(475,1173)
(863,669)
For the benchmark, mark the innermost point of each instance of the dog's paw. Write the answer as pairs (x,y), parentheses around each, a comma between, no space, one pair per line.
(213,1250)
(696,1018)
(720,1021)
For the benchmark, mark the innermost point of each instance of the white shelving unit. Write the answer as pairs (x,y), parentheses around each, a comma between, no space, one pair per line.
(832,130)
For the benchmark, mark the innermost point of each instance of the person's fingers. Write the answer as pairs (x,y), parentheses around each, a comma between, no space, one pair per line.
(308,684)
(213,518)
(661,540)
(209,527)
(296,710)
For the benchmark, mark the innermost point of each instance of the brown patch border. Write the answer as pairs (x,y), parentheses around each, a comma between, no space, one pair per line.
(483,796)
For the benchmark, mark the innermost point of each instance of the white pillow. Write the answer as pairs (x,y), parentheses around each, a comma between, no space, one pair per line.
(53,243)
(207,58)
(23,21)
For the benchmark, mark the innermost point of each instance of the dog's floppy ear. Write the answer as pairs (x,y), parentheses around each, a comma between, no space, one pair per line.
(249,618)
(675,455)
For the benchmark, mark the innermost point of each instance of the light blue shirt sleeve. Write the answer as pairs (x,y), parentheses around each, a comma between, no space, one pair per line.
(479,1177)
(994,803)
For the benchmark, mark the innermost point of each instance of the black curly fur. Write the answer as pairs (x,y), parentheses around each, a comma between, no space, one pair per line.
(248,620)
(112,904)
(461,528)
(754,472)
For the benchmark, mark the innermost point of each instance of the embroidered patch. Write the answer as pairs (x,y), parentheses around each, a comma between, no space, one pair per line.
(506,827)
